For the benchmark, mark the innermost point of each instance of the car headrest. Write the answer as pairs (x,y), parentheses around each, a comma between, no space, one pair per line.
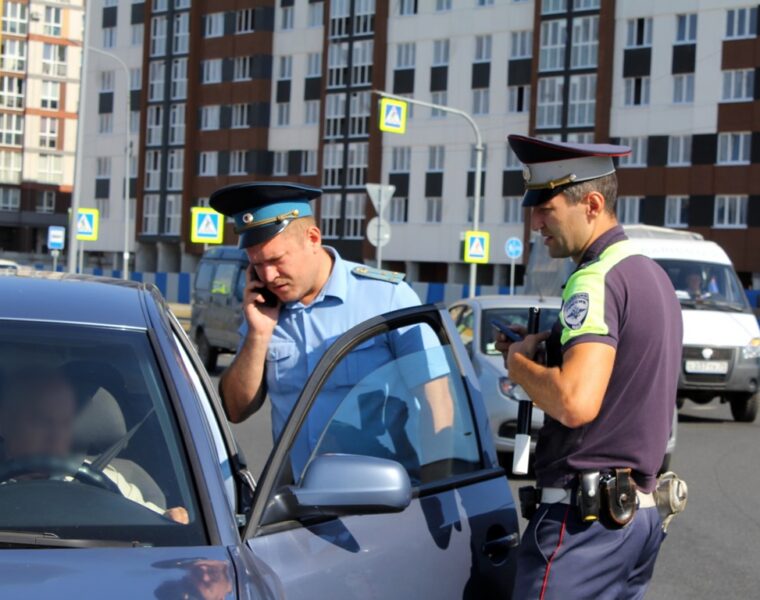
(99,424)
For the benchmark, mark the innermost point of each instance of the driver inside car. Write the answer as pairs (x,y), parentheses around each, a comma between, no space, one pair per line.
(37,414)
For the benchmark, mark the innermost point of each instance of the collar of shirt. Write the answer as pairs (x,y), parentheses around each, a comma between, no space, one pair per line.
(336,285)
(600,244)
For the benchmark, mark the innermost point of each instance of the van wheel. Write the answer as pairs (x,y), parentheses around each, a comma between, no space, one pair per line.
(744,408)
(206,352)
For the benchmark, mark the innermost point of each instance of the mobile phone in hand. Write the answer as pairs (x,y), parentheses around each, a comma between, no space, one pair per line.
(270,299)
(506,329)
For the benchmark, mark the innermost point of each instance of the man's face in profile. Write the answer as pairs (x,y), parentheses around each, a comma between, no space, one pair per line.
(38,419)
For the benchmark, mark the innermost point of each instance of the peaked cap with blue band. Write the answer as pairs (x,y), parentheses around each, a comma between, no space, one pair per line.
(551,167)
(262,209)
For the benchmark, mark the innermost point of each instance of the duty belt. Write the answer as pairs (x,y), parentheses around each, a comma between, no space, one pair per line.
(565,496)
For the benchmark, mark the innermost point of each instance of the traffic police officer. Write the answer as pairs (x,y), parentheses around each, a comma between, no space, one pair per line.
(608,389)
(317,297)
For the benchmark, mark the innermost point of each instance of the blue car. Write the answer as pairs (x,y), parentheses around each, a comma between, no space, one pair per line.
(120,478)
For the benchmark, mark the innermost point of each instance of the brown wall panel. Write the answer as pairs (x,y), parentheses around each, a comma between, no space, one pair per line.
(604,71)
(738,116)
(740,54)
(701,179)
(732,180)
(734,242)
(677,180)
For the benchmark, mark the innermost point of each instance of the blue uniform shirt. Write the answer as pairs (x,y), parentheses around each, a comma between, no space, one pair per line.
(303,334)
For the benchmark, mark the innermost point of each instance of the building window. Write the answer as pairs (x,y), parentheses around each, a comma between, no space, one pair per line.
(10,199)
(433,209)
(48,132)
(137,34)
(549,102)
(105,123)
(286,18)
(405,55)
(11,129)
(210,117)
(399,210)
(734,148)
(177,124)
(442,5)
(134,121)
(677,211)
(316,14)
(45,202)
(103,167)
(10,167)
(483,44)
(513,210)
(357,164)
(106,81)
(207,164)
(442,99)
(518,98)
(628,209)
(160,5)
(679,150)
(51,93)
(440,53)
(741,23)
(214,25)
(212,70)
(549,7)
(244,20)
(332,165)
(239,116)
(329,211)
(407,7)
(730,211)
(179,79)
(582,101)
(355,215)
(480,101)
(585,50)
(13,55)
(339,18)
(314,64)
(586,4)
(683,88)
(152,169)
(11,92)
(553,40)
(150,214)
(155,125)
(511,162)
(181,33)
(135,78)
(173,214)
(485,2)
(364,17)
(337,65)
(358,125)
(638,155)
(738,85)
(335,115)
(311,112)
(54,60)
(401,159)
(158,36)
(109,37)
(52,23)
(522,44)
(686,28)
(436,159)
(285,68)
(309,162)
(283,114)
(174,169)
(50,168)
(636,91)
(156,77)
(638,33)
(280,163)
(361,69)
(15,18)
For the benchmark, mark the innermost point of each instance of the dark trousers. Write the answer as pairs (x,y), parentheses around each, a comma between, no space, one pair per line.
(562,557)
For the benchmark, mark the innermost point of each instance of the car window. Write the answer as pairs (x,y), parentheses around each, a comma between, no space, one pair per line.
(89,443)
(203,277)
(224,279)
(454,312)
(399,396)
(465,324)
(513,316)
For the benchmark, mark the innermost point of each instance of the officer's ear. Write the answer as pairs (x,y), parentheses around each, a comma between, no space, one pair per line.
(595,203)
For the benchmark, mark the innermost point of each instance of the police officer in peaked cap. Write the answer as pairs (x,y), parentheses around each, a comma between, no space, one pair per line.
(300,296)
(608,388)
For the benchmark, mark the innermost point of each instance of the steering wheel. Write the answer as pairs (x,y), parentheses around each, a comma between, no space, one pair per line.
(57,466)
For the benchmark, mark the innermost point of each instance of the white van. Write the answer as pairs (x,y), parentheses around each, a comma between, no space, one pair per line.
(721,339)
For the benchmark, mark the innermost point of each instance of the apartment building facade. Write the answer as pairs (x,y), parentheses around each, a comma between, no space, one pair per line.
(40,57)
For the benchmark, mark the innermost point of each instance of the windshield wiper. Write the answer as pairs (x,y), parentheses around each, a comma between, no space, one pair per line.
(23,539)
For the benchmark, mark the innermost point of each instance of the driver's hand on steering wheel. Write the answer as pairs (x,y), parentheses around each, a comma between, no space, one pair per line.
(178,514)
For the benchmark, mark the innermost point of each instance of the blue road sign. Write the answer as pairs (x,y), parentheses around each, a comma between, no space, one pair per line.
(514,248)
(56,237)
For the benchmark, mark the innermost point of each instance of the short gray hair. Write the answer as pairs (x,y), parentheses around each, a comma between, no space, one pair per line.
(606,186)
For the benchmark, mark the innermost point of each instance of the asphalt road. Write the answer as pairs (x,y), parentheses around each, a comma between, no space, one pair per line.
(713,548)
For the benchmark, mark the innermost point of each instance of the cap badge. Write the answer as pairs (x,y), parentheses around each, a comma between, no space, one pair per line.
(526,173)
(247,218)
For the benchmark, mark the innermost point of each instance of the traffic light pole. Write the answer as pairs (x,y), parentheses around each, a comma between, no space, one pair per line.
(478,164)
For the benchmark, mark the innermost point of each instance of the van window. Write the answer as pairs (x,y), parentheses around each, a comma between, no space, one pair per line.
(203,276)
(224,279)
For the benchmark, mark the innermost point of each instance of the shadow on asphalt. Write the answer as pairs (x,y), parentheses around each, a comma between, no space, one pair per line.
(695,419)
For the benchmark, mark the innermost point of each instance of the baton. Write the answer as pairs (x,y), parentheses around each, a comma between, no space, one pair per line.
(524,411)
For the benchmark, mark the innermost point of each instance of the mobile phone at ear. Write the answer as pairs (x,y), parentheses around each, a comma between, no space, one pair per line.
(269,298)
(505,328)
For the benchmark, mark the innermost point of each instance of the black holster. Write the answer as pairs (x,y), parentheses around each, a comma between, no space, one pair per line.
(619,496)
(530,497)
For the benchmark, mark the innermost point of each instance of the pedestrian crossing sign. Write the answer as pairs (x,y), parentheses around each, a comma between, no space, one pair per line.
(206,226)
(87,224)
(477,246)
(393,115)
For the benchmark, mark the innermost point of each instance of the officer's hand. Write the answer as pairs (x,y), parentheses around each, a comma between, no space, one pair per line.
(261,319)
(528,347)
(178,514)
(502,342)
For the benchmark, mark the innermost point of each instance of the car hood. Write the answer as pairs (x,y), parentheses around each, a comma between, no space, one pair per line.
(117,573)
(720,329)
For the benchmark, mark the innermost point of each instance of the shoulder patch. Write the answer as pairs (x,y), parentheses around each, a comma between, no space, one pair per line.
(575,310)
(379,274)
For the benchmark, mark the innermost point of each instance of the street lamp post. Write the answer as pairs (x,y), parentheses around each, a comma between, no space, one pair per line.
(478,164)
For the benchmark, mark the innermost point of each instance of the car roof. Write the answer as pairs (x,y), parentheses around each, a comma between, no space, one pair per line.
(516,301)
(65,298)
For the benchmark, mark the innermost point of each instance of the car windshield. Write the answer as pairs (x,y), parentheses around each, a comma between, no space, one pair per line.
(517,315)
(710,286)
(89,445)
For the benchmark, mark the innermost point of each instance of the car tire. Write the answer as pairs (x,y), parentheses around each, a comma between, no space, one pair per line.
(207,353)
(744,408)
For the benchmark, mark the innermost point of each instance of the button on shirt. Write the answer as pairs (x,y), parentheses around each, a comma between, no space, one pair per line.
(303,334)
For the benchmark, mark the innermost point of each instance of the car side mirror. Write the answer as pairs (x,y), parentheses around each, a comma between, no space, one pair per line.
(348,484)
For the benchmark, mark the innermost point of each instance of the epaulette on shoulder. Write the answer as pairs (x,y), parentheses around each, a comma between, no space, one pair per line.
(380,274)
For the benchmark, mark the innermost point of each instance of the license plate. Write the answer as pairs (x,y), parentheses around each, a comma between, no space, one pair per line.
(707,366)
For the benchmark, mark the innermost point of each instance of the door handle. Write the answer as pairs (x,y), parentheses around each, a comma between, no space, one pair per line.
(497,549)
